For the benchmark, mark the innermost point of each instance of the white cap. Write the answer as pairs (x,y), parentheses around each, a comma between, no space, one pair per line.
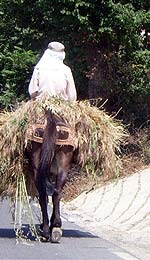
(56,46)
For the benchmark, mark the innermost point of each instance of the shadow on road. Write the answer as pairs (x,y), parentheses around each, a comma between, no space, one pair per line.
(77,233)
(7,233)
(10,233)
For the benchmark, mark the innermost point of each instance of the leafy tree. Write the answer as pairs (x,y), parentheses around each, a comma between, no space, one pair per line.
(105,49)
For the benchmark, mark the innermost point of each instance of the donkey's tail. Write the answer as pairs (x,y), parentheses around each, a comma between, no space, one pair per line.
(49,144)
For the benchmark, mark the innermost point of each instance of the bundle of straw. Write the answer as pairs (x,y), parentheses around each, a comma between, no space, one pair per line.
(99,137)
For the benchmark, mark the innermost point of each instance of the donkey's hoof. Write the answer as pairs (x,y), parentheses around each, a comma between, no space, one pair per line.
(44,239)
(56,235)
(43,235)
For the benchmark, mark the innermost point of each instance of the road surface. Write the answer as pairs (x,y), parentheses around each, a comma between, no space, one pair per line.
(76,243)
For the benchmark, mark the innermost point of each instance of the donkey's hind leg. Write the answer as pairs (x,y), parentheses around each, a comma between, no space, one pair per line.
(45,231)
(38,180)
(63,159)
(43,201)
(56,223)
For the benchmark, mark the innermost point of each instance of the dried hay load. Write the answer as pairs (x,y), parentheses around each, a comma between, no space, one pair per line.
(99,137)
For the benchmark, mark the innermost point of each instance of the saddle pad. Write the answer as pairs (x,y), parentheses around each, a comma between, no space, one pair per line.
(65,135)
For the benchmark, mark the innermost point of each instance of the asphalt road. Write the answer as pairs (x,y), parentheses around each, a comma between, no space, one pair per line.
(76,243)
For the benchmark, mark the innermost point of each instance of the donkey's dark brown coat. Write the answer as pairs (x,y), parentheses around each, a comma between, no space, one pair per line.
(50,163)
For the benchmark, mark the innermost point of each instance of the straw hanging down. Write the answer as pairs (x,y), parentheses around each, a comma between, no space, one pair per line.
(22,207)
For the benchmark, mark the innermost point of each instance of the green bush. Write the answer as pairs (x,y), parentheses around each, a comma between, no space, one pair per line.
(15,75)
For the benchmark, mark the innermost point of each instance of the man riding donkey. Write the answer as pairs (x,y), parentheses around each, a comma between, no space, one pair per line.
(51,157)
(52,76)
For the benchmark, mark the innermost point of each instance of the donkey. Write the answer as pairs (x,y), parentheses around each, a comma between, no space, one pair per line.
(51,161)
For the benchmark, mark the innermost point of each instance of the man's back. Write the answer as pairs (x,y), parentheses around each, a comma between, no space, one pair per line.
(52,76)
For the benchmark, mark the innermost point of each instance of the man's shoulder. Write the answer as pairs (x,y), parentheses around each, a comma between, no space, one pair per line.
(36,68)
(66,68)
